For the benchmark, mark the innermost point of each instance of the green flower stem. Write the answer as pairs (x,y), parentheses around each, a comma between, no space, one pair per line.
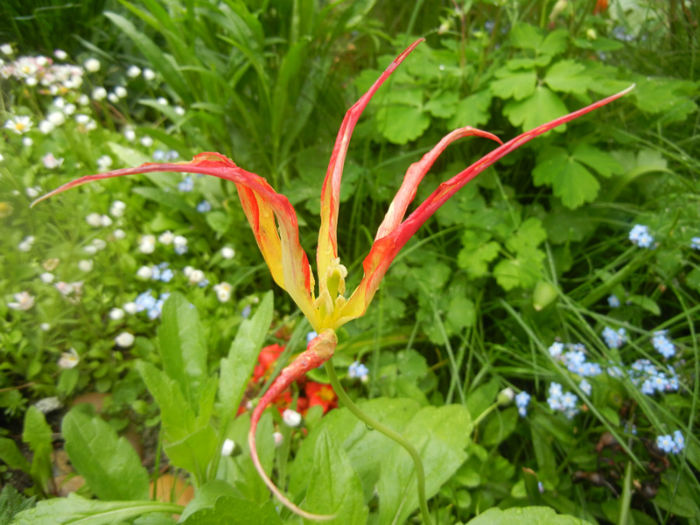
(388,432)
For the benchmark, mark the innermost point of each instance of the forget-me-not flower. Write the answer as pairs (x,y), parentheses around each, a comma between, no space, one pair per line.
(522,400)
(640,236)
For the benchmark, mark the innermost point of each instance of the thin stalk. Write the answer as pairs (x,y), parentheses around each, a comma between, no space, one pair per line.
(388,432)
(626,496)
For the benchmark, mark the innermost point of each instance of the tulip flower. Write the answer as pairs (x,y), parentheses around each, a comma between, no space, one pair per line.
(275,227)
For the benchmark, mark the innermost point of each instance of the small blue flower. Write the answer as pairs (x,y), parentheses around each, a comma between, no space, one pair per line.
(614,339)
(678,442)
(671,444)
(159,155)
(556,349)
(311,336)
(585,387)
(172,155)
(613,301)
(663,344)
(695,243)
(203,207)
(186,185)
(665,443)
(640,236)
(522,400)
(245,313)
(358,371)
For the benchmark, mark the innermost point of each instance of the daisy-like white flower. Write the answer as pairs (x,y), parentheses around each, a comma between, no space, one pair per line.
(115,314)
(144,273)
(149,74)
(147,243)
(120,91)
(94,220)
(179,110)
(129,134)
(117,208)
(51,162)
(20,124)
(223,291)
(6,49)
(47,277)
(166,237)
(180,244)
(124,340)
(92,65)
(23,301)
(104,162)
(69,359)
(146,141)
(227,252)
(56,118)
(133,71)
(291,418)
(60,54)
(26,243)
(85,265)
(99,93)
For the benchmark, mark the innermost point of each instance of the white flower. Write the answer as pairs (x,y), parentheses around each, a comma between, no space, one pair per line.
(131,308)
(148,74)
(223,291)
(278,437)
(98,244)
(291,418)
(166,237)
(47,277)
(117,208)
(32,191)
(6,49)
(20,124)
(180,244)
(146,141)
(129,134)
(23,301)
(69,359)
(147,243)
(46,127)
(179,110)
(145,273)
(85,265)
(64,288)
(113,98)
(83,100)
(124,340)
(119,233)
(227,447)
(50,161)
(69,109)
(104,162)
(162,101)
(120,91)
(99,93)
(227,252)
(115,314)
(45,327)
(94,220)
(26,244)
(27,142)
(92,65)
(56,118)
(48,404)
(81,118)
(195,276)
(90,249)
(60,54)
(133,71)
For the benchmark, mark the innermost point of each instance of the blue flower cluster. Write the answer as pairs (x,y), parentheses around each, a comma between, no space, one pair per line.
(640,236)
(203,207)
(560,401)
(149,303)
(358,371)
(574,359)
(663,344)
(613,301)
(159,155)
(162,273)
(650,380)
(695,243)
(613,338)
(522,400)
(186,184)
(671,444)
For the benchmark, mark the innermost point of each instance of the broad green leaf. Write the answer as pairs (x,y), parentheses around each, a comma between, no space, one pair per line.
(334,487)
(601,161)
(570,180)
(247,481)
(541,107)
(401,124)
(128,156)
(568,76)
(76,509)
(525,36)
(237,368)
(530,234)
(514,84)
(524,516)
(461,313)
(472,111)
(38,435)
(228,510)
(12,456)
(524,270)
(110,465)
(182,346)
(554,44)
(440,435)
(482,397)
(206,495)
(12,503)
(499,425)
(647,303)
(443,104)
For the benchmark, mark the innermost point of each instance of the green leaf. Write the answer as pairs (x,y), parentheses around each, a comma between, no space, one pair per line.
(128,156)
(12,456)
(476,253)
(443,104)
(568,76)
(401,124)
(461,313)
(334,487)
(472,111)
(76,509)
(530,234)
(12,502)
(554,44)
(569,179)
(237,368)
(516,85)
(647,303)
(219,221)
(182,346)
(440,434)
(524,516)
(541,107)
(601,161)
(109,464)
(524,270)
(525,36)
(39,436)
(228,510)
(499,425)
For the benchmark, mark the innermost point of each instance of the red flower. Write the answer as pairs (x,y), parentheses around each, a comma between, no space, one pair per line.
(266,359)
(321,395)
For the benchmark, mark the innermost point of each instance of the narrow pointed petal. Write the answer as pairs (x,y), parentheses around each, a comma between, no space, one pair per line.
(385,249)
(270,214)
(330,194)
(415,174)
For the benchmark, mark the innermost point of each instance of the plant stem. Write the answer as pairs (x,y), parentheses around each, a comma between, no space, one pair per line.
(388,432)
(626,496)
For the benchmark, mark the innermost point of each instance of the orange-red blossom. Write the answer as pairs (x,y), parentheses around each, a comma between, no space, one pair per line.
(274,224)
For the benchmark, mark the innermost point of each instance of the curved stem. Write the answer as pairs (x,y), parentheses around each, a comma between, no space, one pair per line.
(388,432)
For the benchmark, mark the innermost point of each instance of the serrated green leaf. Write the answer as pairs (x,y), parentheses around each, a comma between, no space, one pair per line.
(443,104)
(568,76)
(472,111)
(601,161)
(334,487)
(525,36)
(541,107)
(461,313)
(516,85)
(529,235)
(553,44)
(182,346)
(524,270)
(524,516)
(476,253)
(76,509)
(109,464)
(570,180)
(401,124)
